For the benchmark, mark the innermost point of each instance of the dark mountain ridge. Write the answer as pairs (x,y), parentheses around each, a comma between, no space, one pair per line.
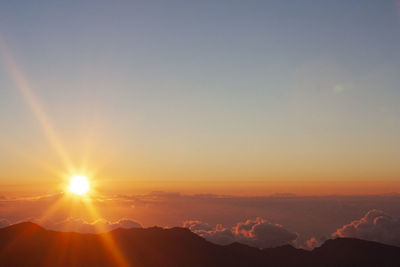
(27,244)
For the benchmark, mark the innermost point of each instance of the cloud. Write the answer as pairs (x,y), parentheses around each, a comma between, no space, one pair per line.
(312,243)
(257,233)
(98,226)
(376,225)
(218,235)
(306,215)
(197,226)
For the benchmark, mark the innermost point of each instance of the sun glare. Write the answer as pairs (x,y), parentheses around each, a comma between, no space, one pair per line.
(79,185)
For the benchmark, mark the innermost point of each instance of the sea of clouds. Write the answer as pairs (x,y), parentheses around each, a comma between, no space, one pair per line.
(266,221)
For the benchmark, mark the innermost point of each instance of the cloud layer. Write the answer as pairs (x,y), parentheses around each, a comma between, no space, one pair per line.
(376,225)
(257,233)
(98,226)
(308,216)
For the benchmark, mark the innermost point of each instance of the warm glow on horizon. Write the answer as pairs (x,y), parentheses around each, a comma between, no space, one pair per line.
(79,185)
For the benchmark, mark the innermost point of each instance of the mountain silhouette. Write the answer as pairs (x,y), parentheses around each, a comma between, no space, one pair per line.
(28,244)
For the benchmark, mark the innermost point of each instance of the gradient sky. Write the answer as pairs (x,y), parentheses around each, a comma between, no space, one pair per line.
(210,96)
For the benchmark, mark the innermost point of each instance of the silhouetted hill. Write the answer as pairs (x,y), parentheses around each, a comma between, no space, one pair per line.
(27,244)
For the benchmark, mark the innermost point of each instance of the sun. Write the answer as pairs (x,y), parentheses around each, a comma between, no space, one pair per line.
(79,185)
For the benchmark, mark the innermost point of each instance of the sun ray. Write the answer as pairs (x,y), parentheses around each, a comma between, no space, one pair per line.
(107,239)
(29,96)
(52,209)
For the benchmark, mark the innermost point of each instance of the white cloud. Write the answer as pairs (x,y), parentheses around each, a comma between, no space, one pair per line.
(376,225)
(258,233)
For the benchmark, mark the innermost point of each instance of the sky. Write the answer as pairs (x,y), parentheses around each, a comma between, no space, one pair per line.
(225,97)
